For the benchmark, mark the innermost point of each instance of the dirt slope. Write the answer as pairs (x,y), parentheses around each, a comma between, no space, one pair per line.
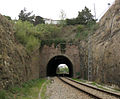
(13,57)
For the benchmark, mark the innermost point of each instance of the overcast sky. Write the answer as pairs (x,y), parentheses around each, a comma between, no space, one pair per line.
(63,65)
(51,8)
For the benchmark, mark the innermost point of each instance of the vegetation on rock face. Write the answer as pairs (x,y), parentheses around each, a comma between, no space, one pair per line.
(61,43)
(24,32)
(12,67)
(84,30)
(30,36)
(52,41)
(31,31)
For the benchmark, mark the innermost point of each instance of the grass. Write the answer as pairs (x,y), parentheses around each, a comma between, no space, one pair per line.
(92,83)
(102,86)
(97,85)
(80,80)
(117,89)
(28,90)
(43,95)
(84,30)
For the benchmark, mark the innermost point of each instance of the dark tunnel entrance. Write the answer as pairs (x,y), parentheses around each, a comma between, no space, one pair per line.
(55,62)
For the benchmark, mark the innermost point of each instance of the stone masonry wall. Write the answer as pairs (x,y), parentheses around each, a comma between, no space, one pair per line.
(47,53)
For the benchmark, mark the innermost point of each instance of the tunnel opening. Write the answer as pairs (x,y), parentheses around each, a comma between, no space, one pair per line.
(55,62)
(62,70)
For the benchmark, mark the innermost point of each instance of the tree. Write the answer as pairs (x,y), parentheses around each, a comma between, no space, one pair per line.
(26,16)
(39,20)
(62,17)
(85,17)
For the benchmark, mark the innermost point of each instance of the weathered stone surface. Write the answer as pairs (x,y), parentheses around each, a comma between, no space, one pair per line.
(106,47)
(47,53)
(14,60)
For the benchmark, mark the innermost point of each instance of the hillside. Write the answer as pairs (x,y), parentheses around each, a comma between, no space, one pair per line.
(106,47)
(13,57)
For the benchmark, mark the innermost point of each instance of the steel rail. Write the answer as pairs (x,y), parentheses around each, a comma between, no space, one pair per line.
(89,86)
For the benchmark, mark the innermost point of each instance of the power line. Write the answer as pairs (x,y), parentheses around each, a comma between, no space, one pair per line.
(106,9)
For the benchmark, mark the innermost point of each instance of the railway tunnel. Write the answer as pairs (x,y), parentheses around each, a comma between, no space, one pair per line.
(55,62)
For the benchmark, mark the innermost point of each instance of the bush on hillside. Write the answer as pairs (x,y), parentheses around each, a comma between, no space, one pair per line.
(48,31)
(84,30)
(24,32)
(30,35)
(80,28)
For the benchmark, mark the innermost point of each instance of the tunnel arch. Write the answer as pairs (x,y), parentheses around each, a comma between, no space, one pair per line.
(55,61)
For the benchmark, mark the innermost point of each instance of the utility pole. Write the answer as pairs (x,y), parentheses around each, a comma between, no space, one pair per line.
(90,58)
(90,54)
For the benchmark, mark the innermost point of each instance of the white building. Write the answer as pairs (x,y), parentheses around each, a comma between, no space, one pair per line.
(50,21)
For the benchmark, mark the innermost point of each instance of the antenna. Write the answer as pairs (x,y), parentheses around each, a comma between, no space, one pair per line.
(94,11)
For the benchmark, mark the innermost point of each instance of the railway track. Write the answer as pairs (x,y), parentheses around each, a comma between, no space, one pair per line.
(94,92)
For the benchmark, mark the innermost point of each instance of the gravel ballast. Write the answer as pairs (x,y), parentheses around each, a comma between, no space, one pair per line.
(58,90)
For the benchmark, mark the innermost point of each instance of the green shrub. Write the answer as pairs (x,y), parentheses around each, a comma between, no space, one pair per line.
(30,36)
(48,31)
(32,43)
(24,32)
(84,30)
(80,28)
(56,42)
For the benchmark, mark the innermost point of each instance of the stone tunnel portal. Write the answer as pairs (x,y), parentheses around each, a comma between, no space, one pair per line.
(55,62)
